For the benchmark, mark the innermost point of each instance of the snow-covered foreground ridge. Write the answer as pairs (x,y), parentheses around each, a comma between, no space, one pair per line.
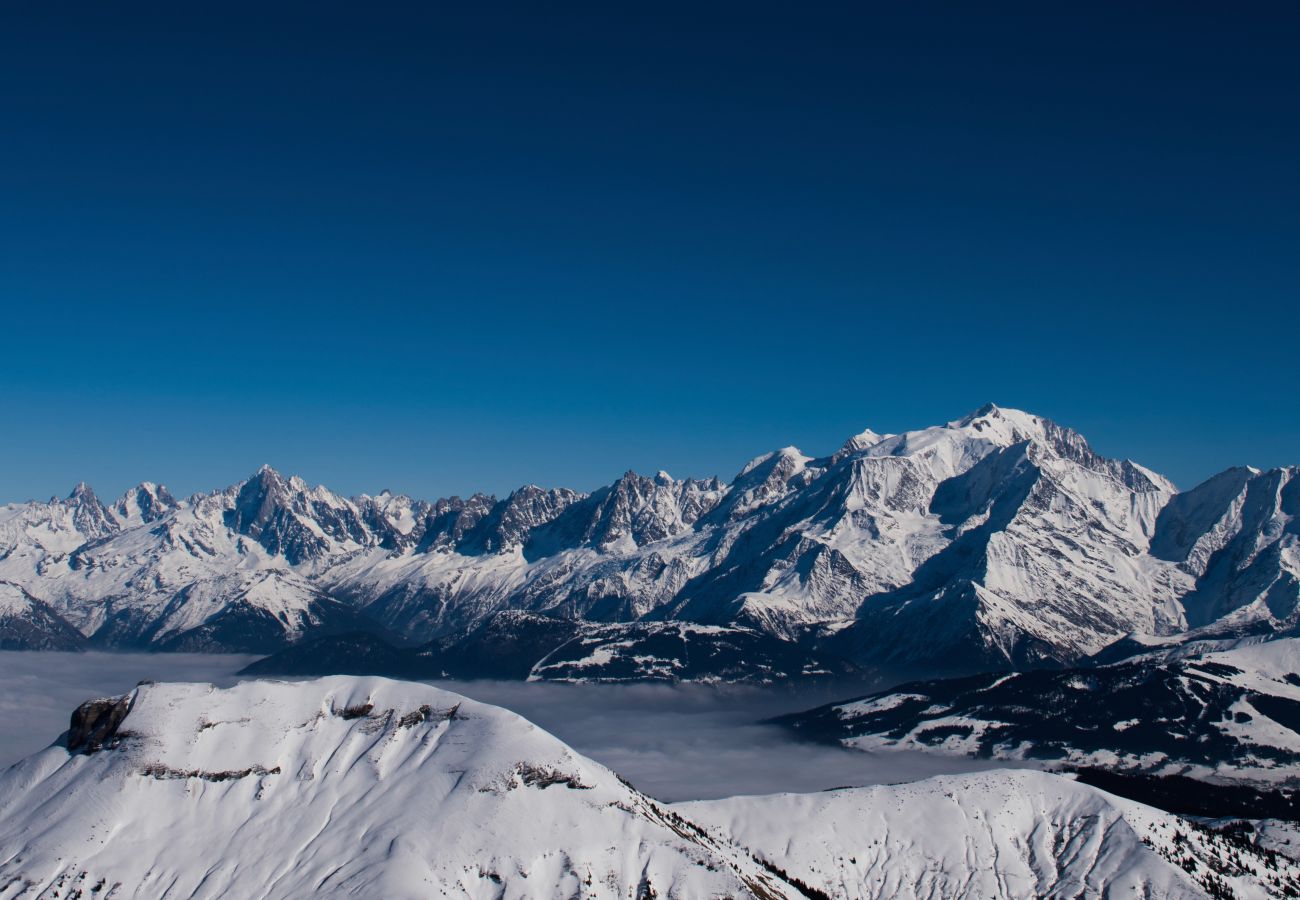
(365,787)
(999,538)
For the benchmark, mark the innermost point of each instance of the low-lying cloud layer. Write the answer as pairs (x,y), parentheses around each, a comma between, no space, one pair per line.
(675,743)
(39,691)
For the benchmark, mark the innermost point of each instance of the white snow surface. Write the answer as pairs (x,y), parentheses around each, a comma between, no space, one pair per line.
(1009,833)
(366,787)
(286,790)
(14,601)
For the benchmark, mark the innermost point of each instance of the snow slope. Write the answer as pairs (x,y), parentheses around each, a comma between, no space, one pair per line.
(998,834)
(28,624)
(363,787)
(342,787)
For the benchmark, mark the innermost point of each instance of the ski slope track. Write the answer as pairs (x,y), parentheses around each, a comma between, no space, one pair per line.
(365,787)
(1000,539)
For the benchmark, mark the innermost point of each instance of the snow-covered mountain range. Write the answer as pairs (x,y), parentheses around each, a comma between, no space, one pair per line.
(354,787)
(999,539)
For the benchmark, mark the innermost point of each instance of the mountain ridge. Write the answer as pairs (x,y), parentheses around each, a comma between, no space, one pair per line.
(999,538)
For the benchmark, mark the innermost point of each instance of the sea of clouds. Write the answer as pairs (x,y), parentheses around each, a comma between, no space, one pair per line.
(673,742)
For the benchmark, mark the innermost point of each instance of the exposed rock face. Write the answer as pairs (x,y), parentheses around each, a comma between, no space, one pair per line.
(146,502)
(89,516)
(96,722)
(509,523)
(630,513)
(290,520)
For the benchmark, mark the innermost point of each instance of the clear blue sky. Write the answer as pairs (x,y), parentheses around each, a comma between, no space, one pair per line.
(445,249)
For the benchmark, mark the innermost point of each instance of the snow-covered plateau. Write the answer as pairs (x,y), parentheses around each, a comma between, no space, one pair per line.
(365,787)
(999,540)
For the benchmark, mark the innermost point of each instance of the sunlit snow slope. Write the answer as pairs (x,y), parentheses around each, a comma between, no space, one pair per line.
(364,787)
(995,834)
(341,787)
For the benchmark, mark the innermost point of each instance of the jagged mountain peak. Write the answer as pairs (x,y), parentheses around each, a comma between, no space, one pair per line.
(292,519)
(146,502)
(89,515)
(633,511)
(265,475)
(486,525)
(82,492)
(1238,534)
(273,481)
(766,479)
(634,483)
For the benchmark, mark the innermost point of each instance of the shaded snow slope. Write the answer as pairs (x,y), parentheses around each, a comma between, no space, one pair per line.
(29,624)
(515,644)
(1232,716)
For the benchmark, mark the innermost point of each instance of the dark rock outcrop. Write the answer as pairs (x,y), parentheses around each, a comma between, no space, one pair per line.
(95,723)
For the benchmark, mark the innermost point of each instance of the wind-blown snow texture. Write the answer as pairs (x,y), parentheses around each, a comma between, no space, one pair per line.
(368,787)
(998,539)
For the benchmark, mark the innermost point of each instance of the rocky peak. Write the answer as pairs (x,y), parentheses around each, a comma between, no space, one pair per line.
(96,722)
(291,519)
(146,502)
(89,516)
(396,520)
(511,521)
(1238,533)
(641,510)
(450,519)
(767,479)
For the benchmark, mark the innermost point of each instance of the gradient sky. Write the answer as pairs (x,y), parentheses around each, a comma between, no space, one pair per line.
(446,249)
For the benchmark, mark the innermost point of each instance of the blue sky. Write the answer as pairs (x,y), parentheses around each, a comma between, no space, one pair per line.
(442,250)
